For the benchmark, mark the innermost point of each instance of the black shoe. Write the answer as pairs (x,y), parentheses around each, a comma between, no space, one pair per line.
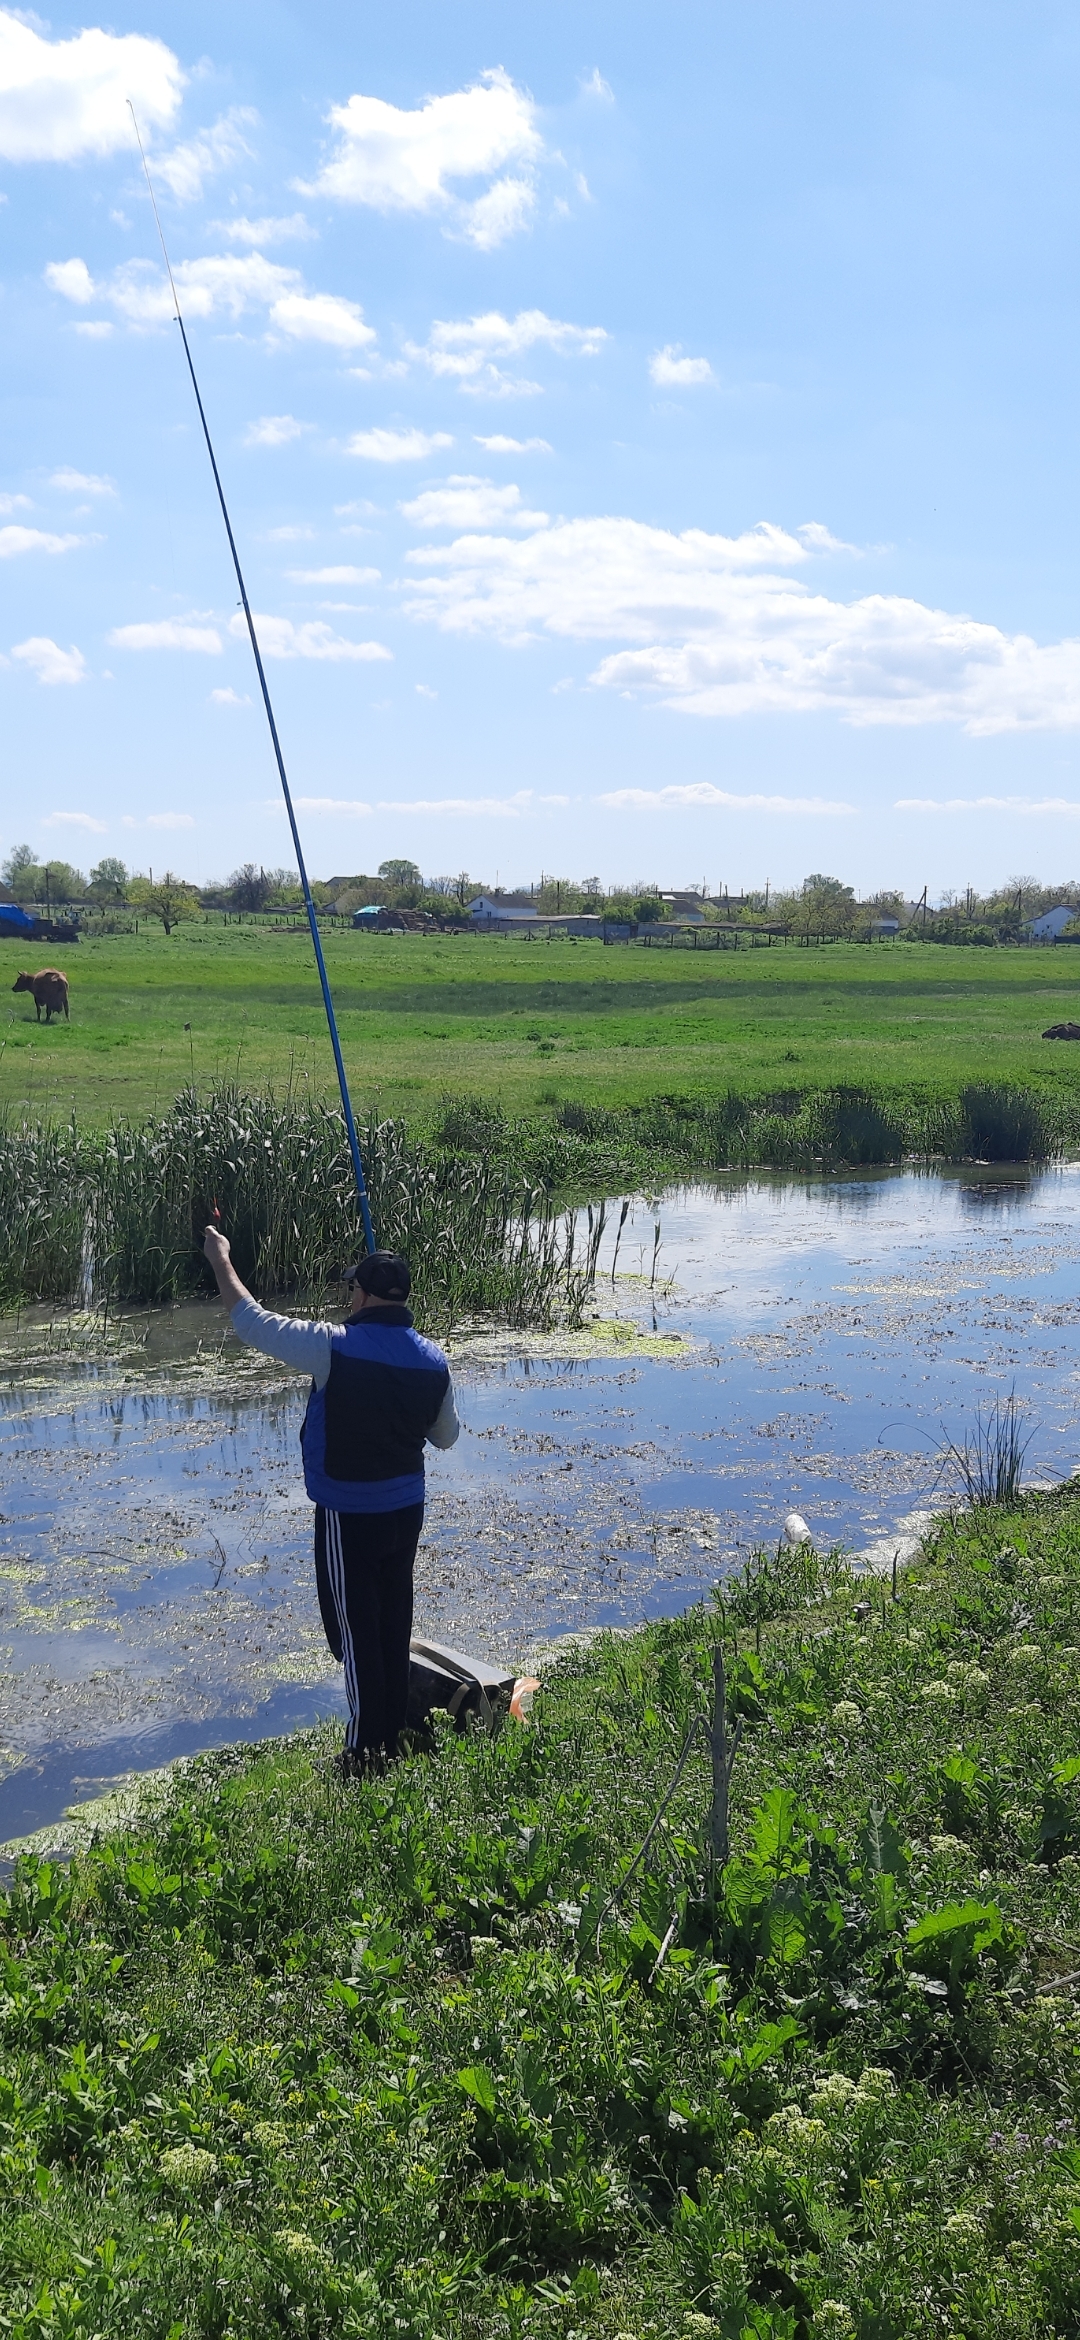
(355,1763)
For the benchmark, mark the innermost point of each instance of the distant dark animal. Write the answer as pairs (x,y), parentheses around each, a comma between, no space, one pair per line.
(50,990)
(1063,1032)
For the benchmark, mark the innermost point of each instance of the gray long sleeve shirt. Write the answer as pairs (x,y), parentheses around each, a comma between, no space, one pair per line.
(297,1341)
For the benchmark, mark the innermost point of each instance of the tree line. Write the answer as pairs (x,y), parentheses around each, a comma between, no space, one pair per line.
(821,907)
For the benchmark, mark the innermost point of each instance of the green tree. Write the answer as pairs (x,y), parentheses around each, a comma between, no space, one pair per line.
(168,897)
(825,906)
(400,873)
(21,873)
(283,888)
(61,882)
(249,888)
(109,880)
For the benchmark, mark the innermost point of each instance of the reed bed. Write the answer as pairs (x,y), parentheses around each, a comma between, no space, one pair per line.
(785,1129)
(117,1215)
(88,1215)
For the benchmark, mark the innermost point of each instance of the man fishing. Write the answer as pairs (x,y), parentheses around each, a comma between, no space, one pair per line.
(378,1390)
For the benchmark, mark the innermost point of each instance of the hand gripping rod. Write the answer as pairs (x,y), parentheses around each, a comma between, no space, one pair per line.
(346,1101)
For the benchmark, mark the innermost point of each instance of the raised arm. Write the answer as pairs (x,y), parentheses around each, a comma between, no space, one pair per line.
(216,1248)
(293,1340)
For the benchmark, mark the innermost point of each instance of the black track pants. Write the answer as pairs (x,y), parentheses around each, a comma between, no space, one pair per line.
(364,1575)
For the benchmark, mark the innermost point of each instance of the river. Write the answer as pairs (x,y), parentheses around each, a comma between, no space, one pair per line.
(792,1343)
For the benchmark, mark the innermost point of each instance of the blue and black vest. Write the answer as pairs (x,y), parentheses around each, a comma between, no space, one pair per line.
(363,1434)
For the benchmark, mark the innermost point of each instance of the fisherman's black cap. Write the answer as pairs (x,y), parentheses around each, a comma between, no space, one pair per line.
(384,1274)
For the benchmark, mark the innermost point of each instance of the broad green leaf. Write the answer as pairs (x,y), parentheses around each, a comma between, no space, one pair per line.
(882,1851)
(476,2081)
(957,1917)
(770,2041)
(774,1826)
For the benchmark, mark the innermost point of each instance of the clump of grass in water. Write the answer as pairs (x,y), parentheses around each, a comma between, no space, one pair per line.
(987,1464)
(481,1238)
(783,1129)
(1005,1125)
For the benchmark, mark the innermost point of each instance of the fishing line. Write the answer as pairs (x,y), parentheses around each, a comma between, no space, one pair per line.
(346,1101)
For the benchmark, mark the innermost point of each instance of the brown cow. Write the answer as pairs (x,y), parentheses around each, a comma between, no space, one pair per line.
(50,990)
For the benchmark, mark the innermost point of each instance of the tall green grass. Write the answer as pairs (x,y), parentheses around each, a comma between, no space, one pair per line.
(787,1129)
(119,1213)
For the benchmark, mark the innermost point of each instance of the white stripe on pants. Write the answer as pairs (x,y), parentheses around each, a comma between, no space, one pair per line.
(335,1569)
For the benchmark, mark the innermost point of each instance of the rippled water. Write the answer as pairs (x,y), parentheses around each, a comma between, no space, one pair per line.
(156,1590)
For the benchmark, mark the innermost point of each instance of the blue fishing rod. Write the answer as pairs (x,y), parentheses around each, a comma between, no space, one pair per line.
(335,1042)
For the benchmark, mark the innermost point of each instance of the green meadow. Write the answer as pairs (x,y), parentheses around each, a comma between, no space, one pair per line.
(529,1025)
(473,2052)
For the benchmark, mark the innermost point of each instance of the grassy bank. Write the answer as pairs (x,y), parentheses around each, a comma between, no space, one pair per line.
(532,1025)
(290,2057)
(588,1147)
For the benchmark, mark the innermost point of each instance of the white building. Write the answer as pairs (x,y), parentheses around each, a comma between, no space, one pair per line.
(1049,928)
(501,909)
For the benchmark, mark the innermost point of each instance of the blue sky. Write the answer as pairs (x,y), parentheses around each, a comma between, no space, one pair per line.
(650,434)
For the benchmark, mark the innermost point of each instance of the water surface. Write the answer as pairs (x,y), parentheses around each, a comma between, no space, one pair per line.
(156,1589)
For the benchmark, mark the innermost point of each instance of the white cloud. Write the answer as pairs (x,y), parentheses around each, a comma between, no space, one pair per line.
(711,626)
(61,100)
(394,159)
(294,230)
(184,168)
(701,793)
(229,283)
(466,349)
(499,444)
(16,539)
(279,638)
(167,634)
(75,820)
(409,446)
(165,820)
(45,658)
(274,430)
(1055,805)
(322,317)
(341,575)
(424,691)
(16,504)
(230,698)
(671,371)
(595,86)
(464,502)
(94,328)
(82,483)
(323,804)
(467,807)
(819,539)
(72,278)
(506,208)
(293,534)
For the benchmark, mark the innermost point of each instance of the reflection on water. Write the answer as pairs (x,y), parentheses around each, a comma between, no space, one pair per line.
(155,1579)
